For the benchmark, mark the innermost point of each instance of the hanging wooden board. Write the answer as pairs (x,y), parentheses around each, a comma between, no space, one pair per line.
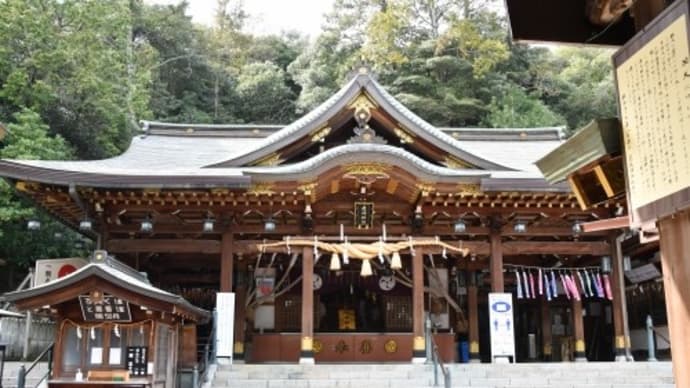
(653,83)
(108,308)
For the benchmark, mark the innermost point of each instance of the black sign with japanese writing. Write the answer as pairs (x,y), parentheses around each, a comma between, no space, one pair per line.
(137,360)
(108,309)
(364,215)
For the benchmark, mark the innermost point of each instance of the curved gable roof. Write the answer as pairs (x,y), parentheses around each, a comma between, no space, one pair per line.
(354,153)
(318,117)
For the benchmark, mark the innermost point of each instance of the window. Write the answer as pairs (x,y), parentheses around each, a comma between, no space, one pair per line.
(94,345)
(71,349)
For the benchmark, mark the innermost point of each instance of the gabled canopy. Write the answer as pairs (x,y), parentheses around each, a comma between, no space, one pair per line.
(109,276)
(367,101)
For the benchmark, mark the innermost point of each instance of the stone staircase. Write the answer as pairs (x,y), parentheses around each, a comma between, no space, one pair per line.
(533,375)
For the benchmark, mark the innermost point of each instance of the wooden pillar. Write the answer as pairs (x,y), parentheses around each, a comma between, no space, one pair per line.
(644,11)
(617,305)
(418,343)
(546,335)
(578,330)
(473,314)
(675,248)
(226,262)
(307,348)
(496,262)
(240,321)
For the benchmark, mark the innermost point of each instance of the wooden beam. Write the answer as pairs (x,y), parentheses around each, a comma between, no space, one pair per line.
(240,322)
(675,245)
(473,319)
(606,224)
(604,181)
(619,300)
(578,330)
(546,337)
(496,262)
(644,11)
(392,186)
(577,190)
(307,336)
(226,262)
(164,245)
(418,344)
(594,248)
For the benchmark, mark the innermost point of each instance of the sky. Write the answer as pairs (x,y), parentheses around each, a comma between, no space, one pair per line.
(266,16)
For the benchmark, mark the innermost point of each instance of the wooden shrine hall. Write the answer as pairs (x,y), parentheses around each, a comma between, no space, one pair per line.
(342,232)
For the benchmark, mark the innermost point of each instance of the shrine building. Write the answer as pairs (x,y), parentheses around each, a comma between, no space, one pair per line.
(345,233)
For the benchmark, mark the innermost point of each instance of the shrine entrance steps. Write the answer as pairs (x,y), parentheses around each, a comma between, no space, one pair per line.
(534,375)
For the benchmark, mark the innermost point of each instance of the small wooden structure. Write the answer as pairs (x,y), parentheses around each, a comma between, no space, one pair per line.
(113,327)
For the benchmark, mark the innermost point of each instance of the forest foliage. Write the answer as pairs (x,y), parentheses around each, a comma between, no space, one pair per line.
(76,76)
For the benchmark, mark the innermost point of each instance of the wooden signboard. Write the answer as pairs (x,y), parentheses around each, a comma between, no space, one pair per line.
(653,80)
(107,309)
(137,360)
(364,215)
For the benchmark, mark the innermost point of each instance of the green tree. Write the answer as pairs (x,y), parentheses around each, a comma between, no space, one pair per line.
(29,138)
(76,65)
(264,95)
(516,109)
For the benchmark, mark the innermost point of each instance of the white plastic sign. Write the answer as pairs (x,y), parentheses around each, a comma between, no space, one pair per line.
(501,325)
(225,307)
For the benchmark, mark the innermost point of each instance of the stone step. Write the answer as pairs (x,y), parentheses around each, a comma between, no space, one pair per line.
(533,375)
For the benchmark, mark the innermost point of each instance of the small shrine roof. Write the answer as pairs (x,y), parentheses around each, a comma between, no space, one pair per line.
(114,272)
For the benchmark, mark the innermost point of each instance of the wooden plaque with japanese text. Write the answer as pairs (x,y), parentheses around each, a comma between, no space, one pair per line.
(653,82)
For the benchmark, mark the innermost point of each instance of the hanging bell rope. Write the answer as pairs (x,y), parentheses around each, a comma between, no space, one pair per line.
(365,251)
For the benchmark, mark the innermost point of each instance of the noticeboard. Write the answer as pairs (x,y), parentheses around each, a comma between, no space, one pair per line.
(364,215)
(653,83)
(137,360)
(501,324)
(107,309)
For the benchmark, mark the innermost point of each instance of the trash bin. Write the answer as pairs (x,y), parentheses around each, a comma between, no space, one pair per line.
(463,352)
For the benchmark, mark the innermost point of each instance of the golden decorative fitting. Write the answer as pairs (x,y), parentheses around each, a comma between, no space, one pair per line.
(270,160)
(261,189)
(362,105)
(365,347)
(579,345)
(418,343)
(474,347)
(341,347)
(404,136)
(320,134)
(547,350)
(308,188)
(620,342)
(317,346)
(391,346)
(425,188)
(453,162)
(238,347)
(307,344)
(469,188)
(369,168)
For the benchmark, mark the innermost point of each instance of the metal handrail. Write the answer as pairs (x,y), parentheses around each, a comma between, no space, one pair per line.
(436,359)
(658,333)
(209,355)
(23,372)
